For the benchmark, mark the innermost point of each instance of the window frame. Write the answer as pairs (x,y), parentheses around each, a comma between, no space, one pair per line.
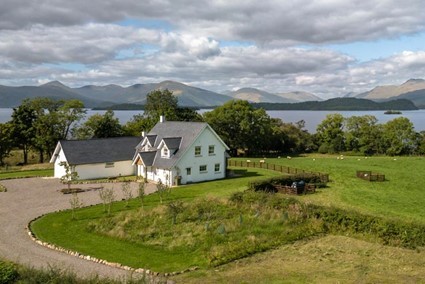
(211,153)
(198,151)
(201,170)
(217,165)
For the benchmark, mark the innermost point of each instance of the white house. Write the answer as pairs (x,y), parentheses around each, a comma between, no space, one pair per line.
(96,158)
(172,152)
(181,152)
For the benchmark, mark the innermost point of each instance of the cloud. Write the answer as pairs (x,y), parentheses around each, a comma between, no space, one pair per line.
(87,44)
(268,21)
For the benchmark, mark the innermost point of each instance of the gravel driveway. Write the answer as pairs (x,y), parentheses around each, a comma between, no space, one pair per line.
(27,199)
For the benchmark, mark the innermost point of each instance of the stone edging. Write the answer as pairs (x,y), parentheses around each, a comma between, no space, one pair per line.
(97,260)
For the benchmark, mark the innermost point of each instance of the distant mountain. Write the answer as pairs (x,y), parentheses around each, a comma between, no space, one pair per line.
(392,91)
(300,96)
(102,96)
(13,96)
(417,97)
(259,96)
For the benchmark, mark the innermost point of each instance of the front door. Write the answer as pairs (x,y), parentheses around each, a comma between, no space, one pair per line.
(188,175)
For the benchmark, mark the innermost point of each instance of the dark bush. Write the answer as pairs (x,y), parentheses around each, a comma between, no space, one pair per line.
(8,272)
(268,185)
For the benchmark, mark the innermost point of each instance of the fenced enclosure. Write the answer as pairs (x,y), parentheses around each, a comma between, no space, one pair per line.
(370,176)
(279,168)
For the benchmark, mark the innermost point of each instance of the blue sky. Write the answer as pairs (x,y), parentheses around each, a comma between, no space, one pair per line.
(325,47)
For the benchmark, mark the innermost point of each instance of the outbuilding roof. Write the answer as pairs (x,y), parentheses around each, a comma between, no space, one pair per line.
(102,150)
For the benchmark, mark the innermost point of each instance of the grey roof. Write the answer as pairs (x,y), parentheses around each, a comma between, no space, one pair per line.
(151,138)
(169,131)
(148,157)
(102,150)
(172,142)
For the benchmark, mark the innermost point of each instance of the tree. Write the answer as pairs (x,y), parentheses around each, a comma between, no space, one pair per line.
(69,112)
(161,102)
(23,130)
(107,196)
(399,137)
(126,192)
(330,134)
(295,138)
(70,174)
(363,134)
(100,126)
(75,203)
(5,141)
(162,190)
(241,126)
(141,192)
(137,124)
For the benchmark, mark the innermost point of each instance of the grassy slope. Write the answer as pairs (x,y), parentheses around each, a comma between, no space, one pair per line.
(401,196)
(331,259)
(61,230)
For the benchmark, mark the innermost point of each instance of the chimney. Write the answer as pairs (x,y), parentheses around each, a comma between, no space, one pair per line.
(162,119)
(143,134)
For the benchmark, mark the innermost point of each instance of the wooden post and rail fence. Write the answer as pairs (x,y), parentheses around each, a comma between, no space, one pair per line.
(273,167)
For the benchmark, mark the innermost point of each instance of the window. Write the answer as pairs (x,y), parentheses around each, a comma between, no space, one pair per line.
(109,165)
(165,152)
(203,168)
(188,171)
(217,168)
(197,150)
(211,150)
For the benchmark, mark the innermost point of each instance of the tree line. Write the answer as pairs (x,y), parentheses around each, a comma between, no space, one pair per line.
(39,123)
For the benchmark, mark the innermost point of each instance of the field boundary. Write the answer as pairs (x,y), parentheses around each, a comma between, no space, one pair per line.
(324,177)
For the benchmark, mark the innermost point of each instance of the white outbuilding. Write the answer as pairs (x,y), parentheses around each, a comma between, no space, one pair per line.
(96,158)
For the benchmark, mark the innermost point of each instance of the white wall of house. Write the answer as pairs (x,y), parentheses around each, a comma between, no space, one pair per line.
(103,170)
(194,162)
(59,171)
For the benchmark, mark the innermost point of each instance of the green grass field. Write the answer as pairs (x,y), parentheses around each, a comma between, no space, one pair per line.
(400,197)
(26,174)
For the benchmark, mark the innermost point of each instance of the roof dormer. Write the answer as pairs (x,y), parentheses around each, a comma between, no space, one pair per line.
(169,146)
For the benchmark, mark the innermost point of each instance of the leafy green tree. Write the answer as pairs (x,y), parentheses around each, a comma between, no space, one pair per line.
(295,138)
(364,135)
(69,112)
(161,102)
(70,174)
(23,130)
(137,124)
(6,141)
(241,126)
(399,137)
(100,126)
(330,134)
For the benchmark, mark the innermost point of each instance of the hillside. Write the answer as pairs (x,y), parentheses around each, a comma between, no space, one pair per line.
(260,96)
(342,104)
(300,96)
(102,96)
(257,96)
(393,91)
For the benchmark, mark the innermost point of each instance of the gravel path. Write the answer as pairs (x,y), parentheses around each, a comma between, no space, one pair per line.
(27,199)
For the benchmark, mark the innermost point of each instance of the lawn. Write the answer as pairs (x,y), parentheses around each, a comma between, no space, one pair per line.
(26,174)
(60,229)
(400,197)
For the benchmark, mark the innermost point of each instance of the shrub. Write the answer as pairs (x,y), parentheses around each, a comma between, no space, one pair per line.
(8,272)
(268,185)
